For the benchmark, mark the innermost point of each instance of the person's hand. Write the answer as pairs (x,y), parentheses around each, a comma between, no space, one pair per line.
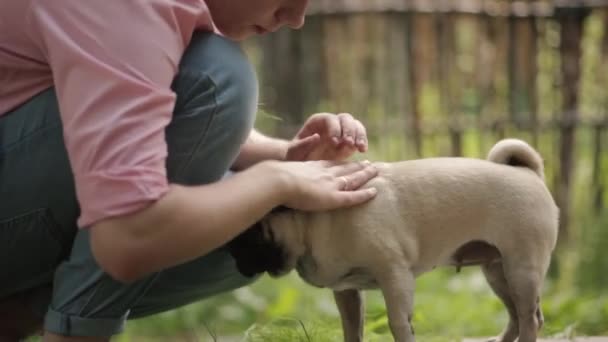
(326,136)
(325,185)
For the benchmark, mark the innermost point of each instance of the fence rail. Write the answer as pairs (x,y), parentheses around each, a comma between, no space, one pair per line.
(491,8)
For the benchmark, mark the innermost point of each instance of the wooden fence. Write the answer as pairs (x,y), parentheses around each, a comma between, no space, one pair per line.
(423,68)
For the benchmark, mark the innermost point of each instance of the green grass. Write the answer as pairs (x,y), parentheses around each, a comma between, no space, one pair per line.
(448,306)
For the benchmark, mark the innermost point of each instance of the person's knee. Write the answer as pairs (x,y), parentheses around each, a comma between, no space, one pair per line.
(217,96)
(232,76)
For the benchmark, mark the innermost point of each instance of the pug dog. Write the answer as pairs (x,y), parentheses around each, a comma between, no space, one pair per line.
(495,213)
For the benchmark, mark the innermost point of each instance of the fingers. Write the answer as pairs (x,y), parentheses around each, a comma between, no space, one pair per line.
(353,132)
(349,128)
(323,185)
(342,183)
(351,198)
(340,135)
(361,137)
(341,128)
(326,124)
(351,175)
(357,179)
(299,150)
(334,129)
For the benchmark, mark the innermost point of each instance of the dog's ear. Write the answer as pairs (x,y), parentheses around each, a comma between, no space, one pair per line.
(254,253)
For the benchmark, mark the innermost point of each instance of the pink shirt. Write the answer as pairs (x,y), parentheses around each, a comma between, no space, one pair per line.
(112,63)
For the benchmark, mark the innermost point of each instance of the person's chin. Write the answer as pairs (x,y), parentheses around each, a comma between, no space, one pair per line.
(238,35)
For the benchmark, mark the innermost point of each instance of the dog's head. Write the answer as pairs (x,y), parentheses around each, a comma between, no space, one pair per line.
(256,251)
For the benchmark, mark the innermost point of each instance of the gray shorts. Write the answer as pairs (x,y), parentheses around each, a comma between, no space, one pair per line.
(40,244)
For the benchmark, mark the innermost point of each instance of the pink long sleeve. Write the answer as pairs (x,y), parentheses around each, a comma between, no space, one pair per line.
(112,65)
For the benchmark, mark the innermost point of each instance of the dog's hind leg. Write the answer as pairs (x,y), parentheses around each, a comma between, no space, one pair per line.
(525,282)
(496,279)
(539,314)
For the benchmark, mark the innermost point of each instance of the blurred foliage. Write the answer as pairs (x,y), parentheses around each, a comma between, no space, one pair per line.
(448,305)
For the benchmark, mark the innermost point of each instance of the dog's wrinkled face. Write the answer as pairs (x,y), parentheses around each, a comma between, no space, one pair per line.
(256,251)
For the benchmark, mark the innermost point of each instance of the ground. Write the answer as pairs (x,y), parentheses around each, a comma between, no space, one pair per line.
(574,339)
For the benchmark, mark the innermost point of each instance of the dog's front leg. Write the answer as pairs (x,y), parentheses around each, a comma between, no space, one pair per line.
(351,307)
(397,285)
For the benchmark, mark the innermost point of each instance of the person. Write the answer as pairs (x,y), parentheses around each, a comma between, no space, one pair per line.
(120,123)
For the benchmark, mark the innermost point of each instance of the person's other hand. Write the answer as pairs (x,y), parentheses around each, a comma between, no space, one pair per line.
(326,136)
(325,185)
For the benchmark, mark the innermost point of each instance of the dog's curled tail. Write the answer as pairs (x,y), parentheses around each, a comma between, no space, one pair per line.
(517,152)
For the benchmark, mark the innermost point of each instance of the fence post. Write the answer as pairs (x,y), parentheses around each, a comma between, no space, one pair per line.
(571,32)
(598,185)
(445,66)
(522,74)
(420,37)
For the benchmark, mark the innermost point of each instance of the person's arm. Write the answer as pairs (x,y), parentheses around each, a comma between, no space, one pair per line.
(259,147)
(185,223)
(324,136)
(192,221)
